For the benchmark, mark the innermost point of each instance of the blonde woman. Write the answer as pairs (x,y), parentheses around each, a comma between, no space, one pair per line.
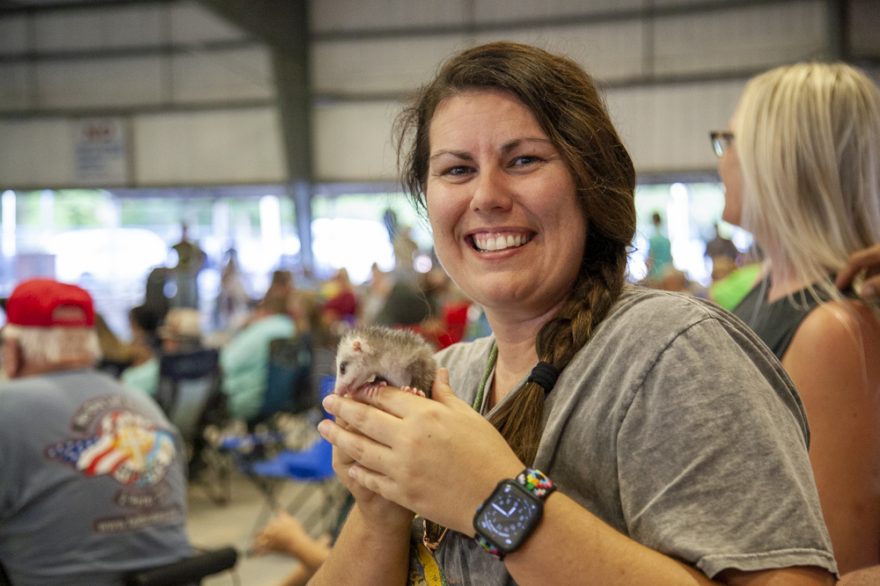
(801,169)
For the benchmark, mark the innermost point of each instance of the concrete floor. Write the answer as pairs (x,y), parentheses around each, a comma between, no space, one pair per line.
(235,523)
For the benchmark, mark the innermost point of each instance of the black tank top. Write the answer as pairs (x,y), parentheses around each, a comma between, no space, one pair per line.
(776,322)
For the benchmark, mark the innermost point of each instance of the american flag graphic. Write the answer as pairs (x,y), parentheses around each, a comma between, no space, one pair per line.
(126,446)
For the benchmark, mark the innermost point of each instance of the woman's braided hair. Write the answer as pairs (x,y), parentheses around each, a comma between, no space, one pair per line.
(564,100)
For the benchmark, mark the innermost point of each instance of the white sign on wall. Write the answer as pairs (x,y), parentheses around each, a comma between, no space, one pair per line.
(101,151)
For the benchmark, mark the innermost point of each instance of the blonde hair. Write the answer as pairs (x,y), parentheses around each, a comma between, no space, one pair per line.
(54,345)
(808,141)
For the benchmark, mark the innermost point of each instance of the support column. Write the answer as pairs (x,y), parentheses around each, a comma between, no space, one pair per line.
(284,26)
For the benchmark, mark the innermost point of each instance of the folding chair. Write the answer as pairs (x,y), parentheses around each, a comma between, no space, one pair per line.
(289,392)
(288,379)
(186,572)
(189,393)
(311,467)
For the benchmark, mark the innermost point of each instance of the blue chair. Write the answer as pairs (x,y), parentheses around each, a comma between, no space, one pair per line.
(310,466)
(288,379)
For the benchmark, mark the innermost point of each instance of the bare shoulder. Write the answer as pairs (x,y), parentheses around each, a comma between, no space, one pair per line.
(836,346)
(839,327)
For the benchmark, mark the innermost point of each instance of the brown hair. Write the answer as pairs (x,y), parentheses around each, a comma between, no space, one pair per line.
(564,100)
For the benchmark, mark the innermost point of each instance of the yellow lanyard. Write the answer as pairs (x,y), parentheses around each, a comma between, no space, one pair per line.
(430,574)
(428,571)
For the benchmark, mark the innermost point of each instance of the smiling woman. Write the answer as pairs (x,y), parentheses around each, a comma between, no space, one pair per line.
(602,430)
(502,204)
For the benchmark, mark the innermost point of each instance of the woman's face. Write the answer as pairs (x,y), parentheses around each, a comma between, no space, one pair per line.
(501,201)
(731,175)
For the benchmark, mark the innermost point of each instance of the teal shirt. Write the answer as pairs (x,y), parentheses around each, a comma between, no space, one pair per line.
(143,377)
(244,361)
(659,253)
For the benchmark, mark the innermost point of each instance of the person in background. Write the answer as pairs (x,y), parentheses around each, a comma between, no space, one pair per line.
(731,289)
(280,288)
(233,301)
(190,260)
(145,341)
(97,488)
(181,332)
(722,253)
(155,297)
(604,432)
(373,294)
(800,164)
(244,359)
(340,300)
(311,322)
(118,355)
(285,534)
(659,251)
(405,250)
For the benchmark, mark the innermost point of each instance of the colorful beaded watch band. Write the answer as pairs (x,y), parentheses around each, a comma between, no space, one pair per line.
(533,481)
(484,543)
(536,482)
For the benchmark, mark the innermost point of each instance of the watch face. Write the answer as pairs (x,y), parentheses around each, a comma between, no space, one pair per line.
(508,516)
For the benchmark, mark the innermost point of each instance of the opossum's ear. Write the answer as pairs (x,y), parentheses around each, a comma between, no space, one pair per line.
(356,346)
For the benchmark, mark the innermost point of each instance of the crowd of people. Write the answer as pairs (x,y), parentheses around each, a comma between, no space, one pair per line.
(579,425)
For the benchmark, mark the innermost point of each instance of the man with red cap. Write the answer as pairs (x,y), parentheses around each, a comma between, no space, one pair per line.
(91,476)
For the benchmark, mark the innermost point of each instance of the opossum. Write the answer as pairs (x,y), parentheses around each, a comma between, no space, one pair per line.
(374,356)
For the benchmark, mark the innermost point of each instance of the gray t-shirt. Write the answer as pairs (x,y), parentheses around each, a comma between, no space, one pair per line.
(91,481)
(677,427)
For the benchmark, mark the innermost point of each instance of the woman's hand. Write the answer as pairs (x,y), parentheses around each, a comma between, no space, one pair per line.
(868,260)
(373,506)
(437,457)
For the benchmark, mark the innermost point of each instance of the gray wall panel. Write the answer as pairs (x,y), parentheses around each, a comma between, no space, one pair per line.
(104,83)
(505,11)
(608,51)
(221,146)
(740,38)
(13,35)
(16,86)
(98,28)
(36,153)
(203,112)
(236,74)
(379,65)
(666,127)
(337,15)
(352,142)
(193,23)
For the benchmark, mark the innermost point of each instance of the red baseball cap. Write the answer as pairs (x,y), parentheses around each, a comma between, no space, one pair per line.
(46,303)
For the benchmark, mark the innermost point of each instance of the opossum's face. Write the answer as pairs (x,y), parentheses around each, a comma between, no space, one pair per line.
(353,368)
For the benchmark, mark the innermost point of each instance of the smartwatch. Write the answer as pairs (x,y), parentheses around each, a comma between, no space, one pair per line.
(505,520)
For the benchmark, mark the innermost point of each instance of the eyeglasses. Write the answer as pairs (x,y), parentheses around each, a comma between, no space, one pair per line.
(721,140)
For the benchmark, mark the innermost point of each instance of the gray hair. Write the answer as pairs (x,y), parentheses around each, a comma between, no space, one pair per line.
(54,345)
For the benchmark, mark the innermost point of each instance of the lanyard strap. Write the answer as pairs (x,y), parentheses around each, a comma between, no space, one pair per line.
(487,372)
